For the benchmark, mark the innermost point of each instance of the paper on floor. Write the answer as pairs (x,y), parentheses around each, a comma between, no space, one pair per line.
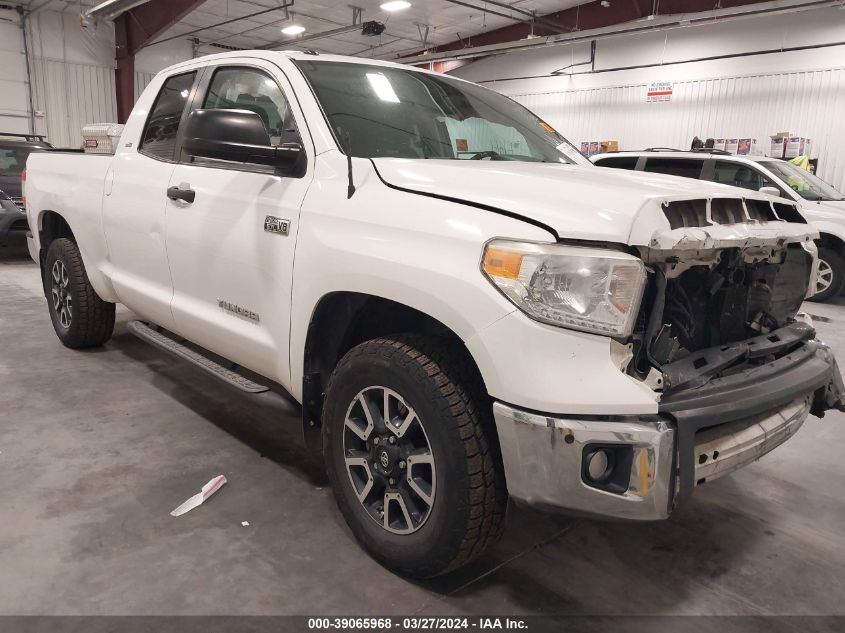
(207,490)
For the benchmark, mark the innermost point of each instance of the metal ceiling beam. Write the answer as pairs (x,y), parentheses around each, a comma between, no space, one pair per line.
(357,22)
(112,8)
(707,15)
(590,15)
(135,28)
(281,7)
(530,20)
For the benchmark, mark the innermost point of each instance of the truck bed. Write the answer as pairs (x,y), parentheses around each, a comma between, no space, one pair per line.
(72,184)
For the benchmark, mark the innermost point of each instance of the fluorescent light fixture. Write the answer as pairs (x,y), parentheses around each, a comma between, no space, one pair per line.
(395,5)
(382,87)
(293,29)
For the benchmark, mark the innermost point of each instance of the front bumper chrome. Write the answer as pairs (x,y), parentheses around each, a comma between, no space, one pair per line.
(543,458)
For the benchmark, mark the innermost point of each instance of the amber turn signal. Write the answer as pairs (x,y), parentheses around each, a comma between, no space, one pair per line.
(502,263)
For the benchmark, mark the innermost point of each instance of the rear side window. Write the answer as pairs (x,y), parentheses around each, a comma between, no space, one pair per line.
(740,175)
(675,167)
(12,161)
(159,138)
(619,162)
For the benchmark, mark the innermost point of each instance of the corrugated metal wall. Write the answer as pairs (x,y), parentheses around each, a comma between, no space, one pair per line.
(810,104)
(72,95)
(141,81)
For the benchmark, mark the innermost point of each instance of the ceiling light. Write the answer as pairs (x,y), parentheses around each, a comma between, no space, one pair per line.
(395,5)
(381,86)
(293,29)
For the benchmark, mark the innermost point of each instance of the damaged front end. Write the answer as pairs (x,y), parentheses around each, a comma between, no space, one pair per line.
(720,335)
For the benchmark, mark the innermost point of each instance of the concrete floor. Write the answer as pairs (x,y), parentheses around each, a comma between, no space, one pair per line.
(97,447)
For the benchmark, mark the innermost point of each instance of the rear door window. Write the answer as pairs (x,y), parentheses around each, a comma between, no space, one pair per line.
(159,137)
(619,162)
(12,161)
(684,167)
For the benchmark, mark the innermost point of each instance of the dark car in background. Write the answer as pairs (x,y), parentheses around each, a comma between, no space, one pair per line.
(13,225)
(14,150)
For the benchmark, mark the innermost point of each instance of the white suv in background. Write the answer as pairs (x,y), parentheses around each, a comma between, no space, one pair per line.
(823,206)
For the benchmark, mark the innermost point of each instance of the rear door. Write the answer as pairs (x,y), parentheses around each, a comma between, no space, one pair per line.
(231,250)
(134,205)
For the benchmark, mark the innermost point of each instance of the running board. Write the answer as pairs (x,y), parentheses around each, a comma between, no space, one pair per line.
(263,393)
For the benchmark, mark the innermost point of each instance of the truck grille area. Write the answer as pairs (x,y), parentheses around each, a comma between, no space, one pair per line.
(693,213)
(740,297)
(720,450)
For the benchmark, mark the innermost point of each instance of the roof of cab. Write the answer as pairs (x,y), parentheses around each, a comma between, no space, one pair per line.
(683,154)
(294,55)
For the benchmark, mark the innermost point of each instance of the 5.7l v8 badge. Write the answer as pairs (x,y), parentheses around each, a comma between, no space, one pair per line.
(272,224)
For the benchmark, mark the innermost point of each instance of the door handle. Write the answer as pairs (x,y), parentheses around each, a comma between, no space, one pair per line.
(178,193)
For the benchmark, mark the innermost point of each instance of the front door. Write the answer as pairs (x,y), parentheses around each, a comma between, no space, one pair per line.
(231,249)
(135,206)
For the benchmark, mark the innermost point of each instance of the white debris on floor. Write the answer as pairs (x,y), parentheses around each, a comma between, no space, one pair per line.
(207,490)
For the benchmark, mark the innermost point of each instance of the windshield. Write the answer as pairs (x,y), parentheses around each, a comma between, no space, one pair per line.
(805,184)
(378,111)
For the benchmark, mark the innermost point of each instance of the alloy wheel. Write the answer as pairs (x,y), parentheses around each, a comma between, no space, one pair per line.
(389,460)
(825,276)
(62,301)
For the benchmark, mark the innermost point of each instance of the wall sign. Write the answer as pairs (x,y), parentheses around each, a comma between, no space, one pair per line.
(659,91)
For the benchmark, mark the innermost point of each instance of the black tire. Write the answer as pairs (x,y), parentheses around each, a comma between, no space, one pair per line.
(836,265)
(467,514)
(86,320)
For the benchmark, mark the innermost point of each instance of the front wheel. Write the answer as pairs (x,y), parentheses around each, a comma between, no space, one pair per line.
(80,317)
(410,452)
(831,276)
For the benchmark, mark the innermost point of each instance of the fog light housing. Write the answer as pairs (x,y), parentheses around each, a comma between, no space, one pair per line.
(607,466)
(599,464)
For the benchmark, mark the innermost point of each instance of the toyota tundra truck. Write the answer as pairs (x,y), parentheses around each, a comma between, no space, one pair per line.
(460,307)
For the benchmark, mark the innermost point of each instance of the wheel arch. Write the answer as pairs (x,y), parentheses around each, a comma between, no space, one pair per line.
(343,319)
(51,225)
(831,240)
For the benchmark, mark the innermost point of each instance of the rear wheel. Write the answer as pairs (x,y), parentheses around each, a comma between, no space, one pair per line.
(831,276)
(410,452)
(80,317)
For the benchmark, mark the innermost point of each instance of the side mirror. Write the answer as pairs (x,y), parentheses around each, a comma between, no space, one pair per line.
(238,136)
(771,191)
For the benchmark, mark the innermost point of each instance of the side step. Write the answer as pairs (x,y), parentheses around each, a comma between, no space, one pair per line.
(263,393)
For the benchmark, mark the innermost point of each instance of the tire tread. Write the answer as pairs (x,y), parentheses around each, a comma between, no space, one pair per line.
(93,318)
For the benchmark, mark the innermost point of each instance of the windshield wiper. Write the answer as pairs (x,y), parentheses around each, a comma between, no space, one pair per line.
(491,154)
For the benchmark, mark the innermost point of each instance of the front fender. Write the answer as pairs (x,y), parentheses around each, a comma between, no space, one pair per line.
(421,252)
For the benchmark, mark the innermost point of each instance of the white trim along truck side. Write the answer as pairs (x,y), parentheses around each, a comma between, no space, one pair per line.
(461,306)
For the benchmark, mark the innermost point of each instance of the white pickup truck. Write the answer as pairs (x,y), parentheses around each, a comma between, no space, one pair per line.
(460,305)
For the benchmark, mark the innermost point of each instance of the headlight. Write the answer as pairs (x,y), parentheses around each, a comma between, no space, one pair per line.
(589,289)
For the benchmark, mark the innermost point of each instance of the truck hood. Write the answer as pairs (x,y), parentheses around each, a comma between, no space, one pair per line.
(578,202)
